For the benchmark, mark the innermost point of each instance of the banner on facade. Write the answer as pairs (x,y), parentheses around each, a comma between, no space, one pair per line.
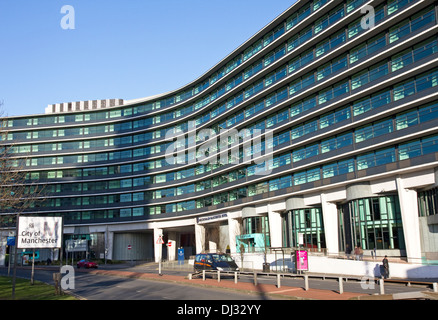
(212,218)
(302,260)
(39,232)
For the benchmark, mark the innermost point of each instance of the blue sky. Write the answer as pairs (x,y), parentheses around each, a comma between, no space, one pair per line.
(118,49)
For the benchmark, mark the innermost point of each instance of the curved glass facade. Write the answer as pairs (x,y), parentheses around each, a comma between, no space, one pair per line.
(310,103)
(372,223)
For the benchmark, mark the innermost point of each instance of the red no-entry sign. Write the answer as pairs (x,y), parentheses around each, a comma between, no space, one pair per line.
(129,247)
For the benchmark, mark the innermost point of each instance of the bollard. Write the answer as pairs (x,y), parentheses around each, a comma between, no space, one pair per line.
(203,275)
(190,276)
(235,277)
(218,276)
(278,281)
(382,286)
(341,286)
(255,278)
(306,282)
(57,280)
(435,287)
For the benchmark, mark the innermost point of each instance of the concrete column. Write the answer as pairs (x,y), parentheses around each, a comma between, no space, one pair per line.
(411,223)
(234,230)
(171,251)
(109,238)
(330,218)
(212,246)
(158,248)
(275,229)
(199,237)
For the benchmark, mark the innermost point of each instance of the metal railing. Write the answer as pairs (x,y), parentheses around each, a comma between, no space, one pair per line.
(279,276)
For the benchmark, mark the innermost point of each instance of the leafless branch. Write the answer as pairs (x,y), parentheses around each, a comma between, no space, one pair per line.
(16,193)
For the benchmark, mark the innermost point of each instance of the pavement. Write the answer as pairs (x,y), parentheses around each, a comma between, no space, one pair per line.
(259,289)
(271,290)
(150,272)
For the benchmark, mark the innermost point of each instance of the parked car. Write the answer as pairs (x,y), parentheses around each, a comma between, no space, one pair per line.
(215,261)
(86,264)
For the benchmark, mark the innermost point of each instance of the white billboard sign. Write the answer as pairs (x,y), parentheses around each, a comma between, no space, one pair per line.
(39,232)
(76,245)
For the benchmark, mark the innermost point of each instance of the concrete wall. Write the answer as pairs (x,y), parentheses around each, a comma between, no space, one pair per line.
(429,238)
(319,264)
(371,268)
(141,246)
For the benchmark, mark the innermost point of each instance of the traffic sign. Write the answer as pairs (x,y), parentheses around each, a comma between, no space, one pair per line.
(160,240)
(129,247)
(181,256)
(10,241)
(169,244)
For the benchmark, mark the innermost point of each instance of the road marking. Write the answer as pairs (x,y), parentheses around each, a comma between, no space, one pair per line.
(281,291)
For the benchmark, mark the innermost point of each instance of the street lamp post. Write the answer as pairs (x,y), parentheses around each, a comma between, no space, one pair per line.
(14,274)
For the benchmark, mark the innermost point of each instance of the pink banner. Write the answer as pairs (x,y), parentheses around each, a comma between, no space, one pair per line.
(302,261)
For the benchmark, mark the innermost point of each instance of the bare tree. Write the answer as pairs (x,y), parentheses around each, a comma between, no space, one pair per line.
(17,194)
(240,247)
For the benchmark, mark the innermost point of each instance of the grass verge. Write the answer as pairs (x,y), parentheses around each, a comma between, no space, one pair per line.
(25,291)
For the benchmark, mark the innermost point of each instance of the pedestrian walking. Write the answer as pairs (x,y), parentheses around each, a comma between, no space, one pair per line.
(385,267)
(356,253)
(348,251)
(360,250)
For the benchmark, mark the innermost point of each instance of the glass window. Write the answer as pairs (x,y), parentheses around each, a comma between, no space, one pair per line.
(406,119)
(428,202)
(409,150)
(300,178)
(305,224)
(137,212)
(429,144)
(428,113)
(372,223)
(395,5)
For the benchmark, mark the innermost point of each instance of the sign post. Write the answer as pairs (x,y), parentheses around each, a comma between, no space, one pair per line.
(10,242)
(33,267)
(14,273)
(160,241)
(181,256)
(130,254)
(37,233)
(73,246)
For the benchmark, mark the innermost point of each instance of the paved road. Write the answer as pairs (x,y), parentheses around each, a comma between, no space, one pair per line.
(99,287)
(102,287)
(314,283)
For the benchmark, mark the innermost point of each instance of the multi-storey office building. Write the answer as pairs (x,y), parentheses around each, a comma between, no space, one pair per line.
(351,157)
